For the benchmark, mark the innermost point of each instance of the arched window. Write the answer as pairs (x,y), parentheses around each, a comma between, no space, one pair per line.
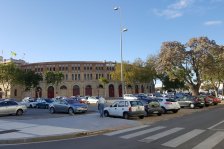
(63,87)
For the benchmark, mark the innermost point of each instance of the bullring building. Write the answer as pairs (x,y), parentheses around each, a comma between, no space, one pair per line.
(80,78)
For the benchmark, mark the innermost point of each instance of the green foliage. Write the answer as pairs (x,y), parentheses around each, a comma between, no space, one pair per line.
(8,73)
(171,84)
(54,78)
(137,72)
(103,81)
(29,79)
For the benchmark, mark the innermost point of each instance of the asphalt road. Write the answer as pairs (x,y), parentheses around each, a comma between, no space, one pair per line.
(33,113)
(201,130)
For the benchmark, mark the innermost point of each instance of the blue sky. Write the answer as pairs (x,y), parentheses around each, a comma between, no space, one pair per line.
(88,30)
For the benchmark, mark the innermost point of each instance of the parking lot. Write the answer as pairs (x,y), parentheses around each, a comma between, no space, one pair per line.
(33,113)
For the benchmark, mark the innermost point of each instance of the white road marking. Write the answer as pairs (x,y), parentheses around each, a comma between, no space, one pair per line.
(142,132)
(126,130)
(160,135)
(183,138)
(216,125)
(211,141)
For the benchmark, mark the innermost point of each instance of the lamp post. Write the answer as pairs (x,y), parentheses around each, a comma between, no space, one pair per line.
(121,32)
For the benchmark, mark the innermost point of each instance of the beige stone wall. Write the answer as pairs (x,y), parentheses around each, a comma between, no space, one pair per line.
(90,69)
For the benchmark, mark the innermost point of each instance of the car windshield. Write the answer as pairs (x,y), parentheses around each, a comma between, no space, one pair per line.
(48,100)
(72,101)
(136,103)
(171,100)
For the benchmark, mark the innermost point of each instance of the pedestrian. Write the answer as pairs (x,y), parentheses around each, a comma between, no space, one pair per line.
(101,104)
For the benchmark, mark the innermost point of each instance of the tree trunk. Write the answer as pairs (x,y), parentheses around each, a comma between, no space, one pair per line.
(194,90)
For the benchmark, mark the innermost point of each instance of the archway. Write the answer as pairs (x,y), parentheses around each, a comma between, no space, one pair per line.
(129,89)
(38,92)
(142,89)
(88,90)
(136,89)
(76,90)
(50,92)
(111,90)
(63,90)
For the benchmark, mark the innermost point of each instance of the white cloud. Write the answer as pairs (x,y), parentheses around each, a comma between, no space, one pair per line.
(174,10)
(214,22)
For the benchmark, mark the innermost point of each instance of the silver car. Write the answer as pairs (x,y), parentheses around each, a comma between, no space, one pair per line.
(8,107)
(68,106)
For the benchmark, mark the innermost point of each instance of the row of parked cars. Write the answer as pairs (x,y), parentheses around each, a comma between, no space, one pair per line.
(138,105)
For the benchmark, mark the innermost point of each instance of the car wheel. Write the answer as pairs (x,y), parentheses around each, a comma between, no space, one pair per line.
(19,112)
(141,117)
(71,111)
(175,111)
(30,106)
(52,110)
(164,110)
(125,116)
(106,114)
(191,106)
(159,114)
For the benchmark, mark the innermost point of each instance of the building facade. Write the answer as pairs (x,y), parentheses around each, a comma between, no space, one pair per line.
(80,78)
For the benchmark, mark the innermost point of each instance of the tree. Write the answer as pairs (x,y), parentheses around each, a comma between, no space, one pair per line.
(213,73)
(171,84)
(104,81)
(127,72)
(186,62)
(54,78)
(8,73)
(29,79)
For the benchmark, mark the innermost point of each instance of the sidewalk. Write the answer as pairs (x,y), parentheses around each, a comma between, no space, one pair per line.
(19,131)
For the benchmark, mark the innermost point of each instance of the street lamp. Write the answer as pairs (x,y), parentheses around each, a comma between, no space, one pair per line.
(121,32)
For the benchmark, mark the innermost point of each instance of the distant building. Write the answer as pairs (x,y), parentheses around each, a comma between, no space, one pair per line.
(80,78)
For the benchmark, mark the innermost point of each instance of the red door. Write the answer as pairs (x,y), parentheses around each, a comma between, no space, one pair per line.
(136,89)
(88,90)
(142,88)
(76,90)
(50,92)
(111,90)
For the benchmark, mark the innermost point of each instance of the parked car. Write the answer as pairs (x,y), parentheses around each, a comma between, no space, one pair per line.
(125,109)
(11,107)
(29,102)
(191,101)
(43,103)
(208,101)
(67,106)
(92,100)
(168,104)
(152,106)
(130,97)
(80,99)
(215,100)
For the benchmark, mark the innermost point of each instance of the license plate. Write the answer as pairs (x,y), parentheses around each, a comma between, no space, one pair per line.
(155,112)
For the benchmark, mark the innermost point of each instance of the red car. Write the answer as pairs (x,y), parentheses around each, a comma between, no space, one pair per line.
(215,100)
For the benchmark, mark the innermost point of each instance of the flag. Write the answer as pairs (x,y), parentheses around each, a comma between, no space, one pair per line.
(13,53)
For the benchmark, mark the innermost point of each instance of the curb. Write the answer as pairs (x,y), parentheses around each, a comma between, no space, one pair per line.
(54,138)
